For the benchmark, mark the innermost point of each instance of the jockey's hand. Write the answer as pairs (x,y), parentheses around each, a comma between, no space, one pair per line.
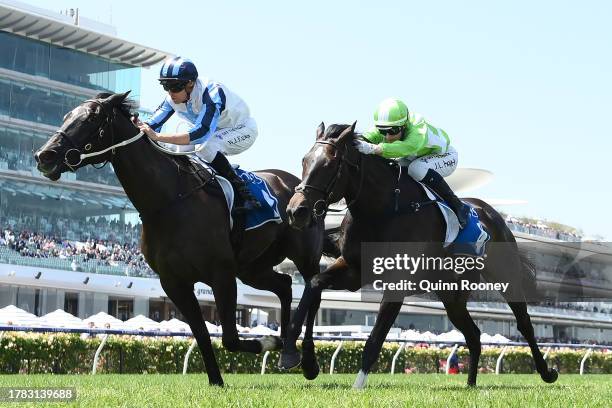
(136,120)
(366,148)
(148,131)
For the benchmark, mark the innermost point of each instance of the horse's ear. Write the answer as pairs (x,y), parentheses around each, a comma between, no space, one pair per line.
(116,99)
(347,133)
(320,131)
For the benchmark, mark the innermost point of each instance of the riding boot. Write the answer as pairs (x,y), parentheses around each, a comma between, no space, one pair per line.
(225,169)
(437,183)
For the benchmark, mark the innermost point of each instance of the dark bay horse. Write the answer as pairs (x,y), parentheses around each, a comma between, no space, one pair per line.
(334,169)
(186,232)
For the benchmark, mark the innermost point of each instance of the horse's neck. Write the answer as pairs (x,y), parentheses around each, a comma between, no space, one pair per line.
(148,178)
(375,194)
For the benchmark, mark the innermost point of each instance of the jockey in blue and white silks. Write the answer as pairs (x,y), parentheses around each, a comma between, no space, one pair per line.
(217,118)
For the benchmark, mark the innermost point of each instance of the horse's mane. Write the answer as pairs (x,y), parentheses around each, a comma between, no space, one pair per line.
(333,131)
(126,107)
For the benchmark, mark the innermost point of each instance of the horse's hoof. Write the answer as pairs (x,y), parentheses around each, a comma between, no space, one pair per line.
(471,384)
(551,376)
(288,360)
(361,381)
(216,383)
(310,368)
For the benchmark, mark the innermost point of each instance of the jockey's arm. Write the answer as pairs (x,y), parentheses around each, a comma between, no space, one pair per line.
(205,125)
(409,146)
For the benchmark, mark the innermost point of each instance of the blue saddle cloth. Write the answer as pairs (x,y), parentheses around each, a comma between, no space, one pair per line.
(471,240)
(269,204)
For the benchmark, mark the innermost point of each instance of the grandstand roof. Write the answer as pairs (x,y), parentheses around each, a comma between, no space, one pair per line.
(74,32)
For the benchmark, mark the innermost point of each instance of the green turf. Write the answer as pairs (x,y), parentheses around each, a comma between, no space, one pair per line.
(272,390)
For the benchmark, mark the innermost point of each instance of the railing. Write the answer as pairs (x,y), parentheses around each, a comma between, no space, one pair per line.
(341,339)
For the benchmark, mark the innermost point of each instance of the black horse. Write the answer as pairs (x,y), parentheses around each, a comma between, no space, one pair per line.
(334,169)
(186,234)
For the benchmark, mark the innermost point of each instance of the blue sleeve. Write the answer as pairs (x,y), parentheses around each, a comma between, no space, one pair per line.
(160,116)
(213,104)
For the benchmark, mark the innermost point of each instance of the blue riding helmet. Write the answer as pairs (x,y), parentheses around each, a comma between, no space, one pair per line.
(178,69)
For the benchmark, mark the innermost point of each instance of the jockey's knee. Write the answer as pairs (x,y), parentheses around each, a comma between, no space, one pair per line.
(417,170)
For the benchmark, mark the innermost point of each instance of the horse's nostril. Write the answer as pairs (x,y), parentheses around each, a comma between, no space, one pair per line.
(45,156)
(300,212)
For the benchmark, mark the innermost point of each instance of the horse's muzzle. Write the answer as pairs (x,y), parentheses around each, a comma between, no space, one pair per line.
(299,217)
(47,163)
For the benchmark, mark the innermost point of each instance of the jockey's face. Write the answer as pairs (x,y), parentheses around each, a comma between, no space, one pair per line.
(182,95)
(392,134)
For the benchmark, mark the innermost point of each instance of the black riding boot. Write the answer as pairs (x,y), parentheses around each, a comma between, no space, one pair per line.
(224,168)
(434,180)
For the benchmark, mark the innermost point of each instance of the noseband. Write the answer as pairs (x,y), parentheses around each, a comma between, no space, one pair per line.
(319,208)
(107,122)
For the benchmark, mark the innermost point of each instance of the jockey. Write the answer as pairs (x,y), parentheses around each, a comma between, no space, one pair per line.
(218,117)
(422,148)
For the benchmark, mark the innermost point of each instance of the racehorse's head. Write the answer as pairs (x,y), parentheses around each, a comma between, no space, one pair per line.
(324,174)
(86,129)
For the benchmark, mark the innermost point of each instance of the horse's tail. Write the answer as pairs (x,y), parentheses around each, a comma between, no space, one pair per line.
(331,242)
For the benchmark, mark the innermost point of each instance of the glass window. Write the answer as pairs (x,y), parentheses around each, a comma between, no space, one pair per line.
(5,97)
(24,54)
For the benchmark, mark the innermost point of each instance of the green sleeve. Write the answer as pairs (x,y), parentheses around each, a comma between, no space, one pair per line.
(412,144)
(373,136)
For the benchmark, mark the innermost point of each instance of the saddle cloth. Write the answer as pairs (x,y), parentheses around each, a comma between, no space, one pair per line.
(268,212)
(469,241)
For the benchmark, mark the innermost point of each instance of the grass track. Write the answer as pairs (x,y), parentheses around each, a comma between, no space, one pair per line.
(272,390)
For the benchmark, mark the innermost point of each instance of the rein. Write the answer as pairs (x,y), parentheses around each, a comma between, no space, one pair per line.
(320,207)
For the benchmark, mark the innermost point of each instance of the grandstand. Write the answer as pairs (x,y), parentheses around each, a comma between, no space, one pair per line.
(72,245)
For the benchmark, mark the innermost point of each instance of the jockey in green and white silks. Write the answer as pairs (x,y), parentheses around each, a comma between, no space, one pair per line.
(424,149)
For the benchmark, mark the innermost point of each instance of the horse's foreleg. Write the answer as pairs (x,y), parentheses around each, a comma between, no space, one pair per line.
(184,299)
(387,313)
(337,276)
(225,292)
(277,283)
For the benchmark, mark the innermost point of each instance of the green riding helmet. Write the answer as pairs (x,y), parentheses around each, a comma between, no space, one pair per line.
(391,112)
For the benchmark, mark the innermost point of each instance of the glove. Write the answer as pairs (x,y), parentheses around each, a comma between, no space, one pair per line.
(365,147)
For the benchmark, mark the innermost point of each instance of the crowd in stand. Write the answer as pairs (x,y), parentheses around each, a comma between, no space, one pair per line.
(541,229)
(110,243)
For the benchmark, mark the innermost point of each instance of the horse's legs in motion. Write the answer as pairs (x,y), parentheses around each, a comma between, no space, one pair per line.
(310,366)
(523,322)
(337,276)
(460,317)
(387,313)
(277,283)
(184,299)
(224,289)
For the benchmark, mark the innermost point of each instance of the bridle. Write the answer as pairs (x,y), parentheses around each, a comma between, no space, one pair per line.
(320,207)
(107,122)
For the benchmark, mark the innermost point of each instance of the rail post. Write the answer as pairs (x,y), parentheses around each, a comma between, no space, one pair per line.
(448,359)
(499,360)
(97,355)
(333,359)
(189,350)
(395,356)
(264,361)
(584,359)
